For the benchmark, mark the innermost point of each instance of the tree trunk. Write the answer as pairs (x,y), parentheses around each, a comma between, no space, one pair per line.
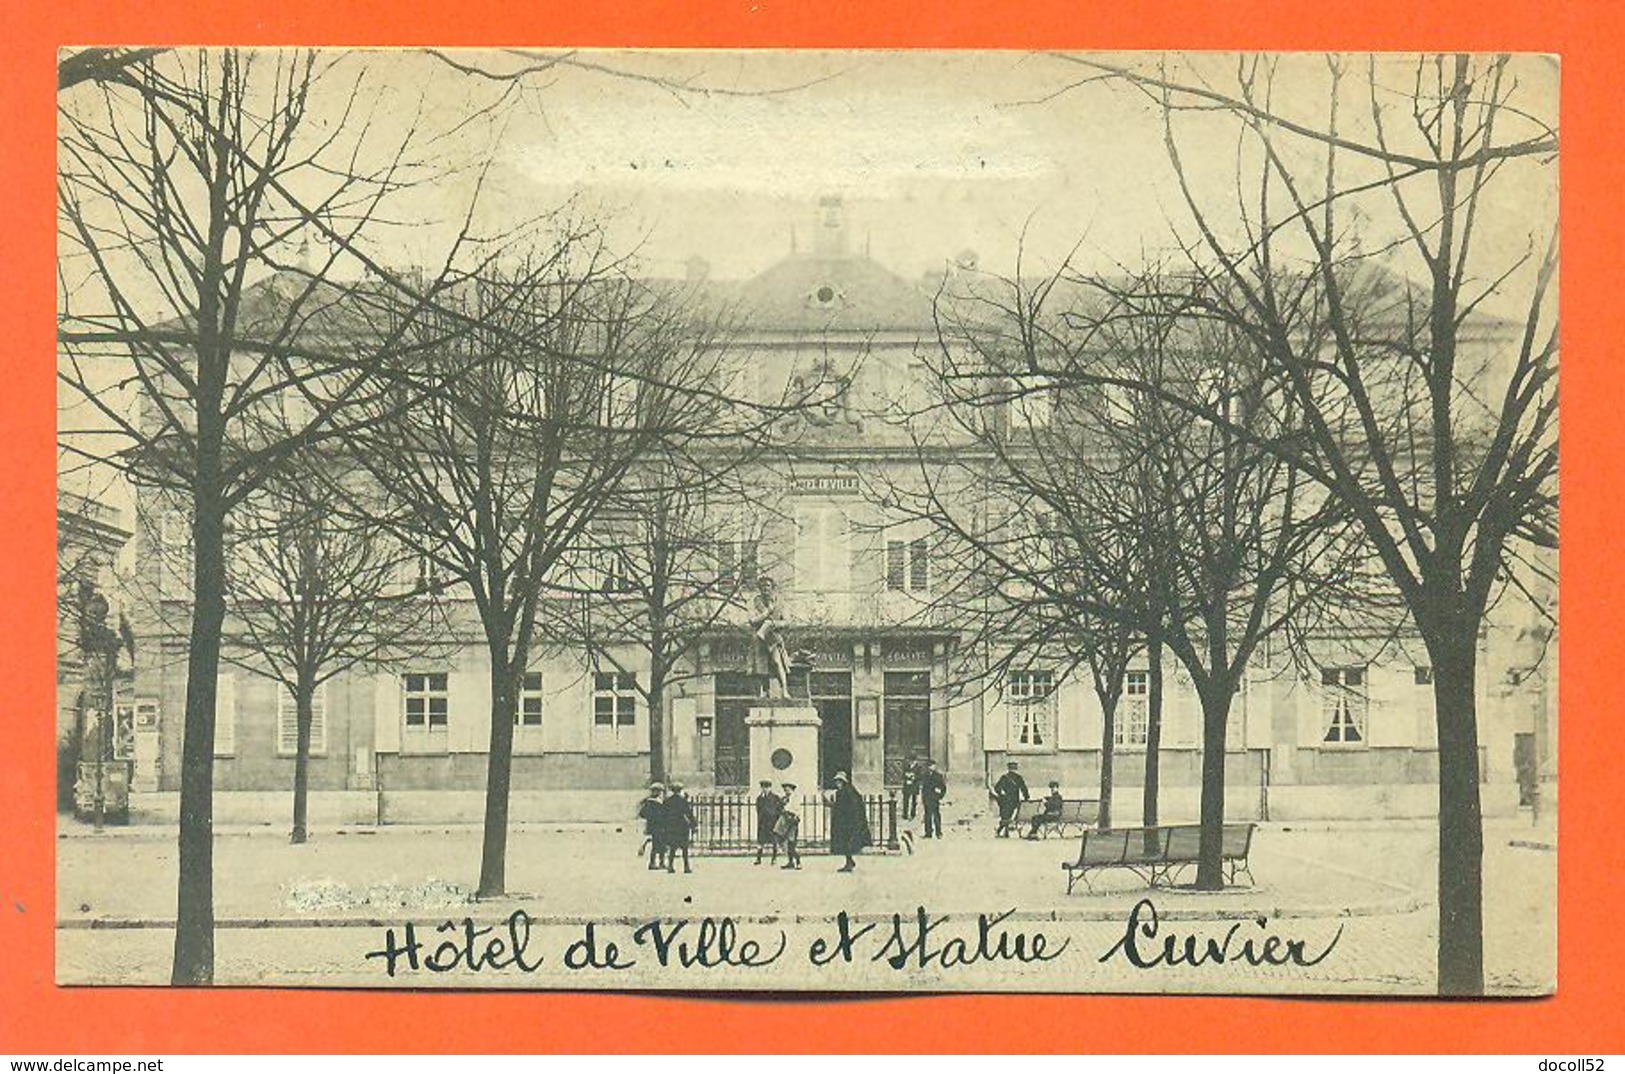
(304,698)
(1215,715)
(498,778)
(1153,738)
(1108,755)
(657,722)
(1461,833)
(194,903)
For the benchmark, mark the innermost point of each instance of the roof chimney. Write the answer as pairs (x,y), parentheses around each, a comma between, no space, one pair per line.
(830,240)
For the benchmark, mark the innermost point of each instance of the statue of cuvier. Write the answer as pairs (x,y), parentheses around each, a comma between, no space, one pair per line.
(770,645)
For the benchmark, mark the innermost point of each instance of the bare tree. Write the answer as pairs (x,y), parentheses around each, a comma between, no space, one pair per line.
(190,190)
(1389,250)
(318,586)
(668,566)
(576,375)
(1222,543)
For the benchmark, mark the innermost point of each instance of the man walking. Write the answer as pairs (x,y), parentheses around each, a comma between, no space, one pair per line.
(933,789)
(1009,792)
(678,813)
(768,808)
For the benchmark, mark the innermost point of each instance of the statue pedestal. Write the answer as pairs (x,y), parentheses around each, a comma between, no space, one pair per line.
(784,743)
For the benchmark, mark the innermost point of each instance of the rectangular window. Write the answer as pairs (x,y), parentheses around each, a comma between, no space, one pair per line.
(615,712)
(287,723)
(1032,710)
(1034,402)
(823,550)
(896,564)
(427,573)
(1424,676)
(737,563)
(528,713)
(614,546)
(908,565)
(427,707)
(1344,698)
(1134,713)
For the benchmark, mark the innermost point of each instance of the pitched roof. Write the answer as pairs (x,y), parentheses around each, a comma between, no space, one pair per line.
(838,293)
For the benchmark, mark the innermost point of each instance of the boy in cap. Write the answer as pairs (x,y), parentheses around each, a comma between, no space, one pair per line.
(768,808)
(651,811)
(788,828)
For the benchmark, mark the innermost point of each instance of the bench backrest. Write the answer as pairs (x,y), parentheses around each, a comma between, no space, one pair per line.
(1103,848)
(1080,810)
(1237,840)
(1182,842)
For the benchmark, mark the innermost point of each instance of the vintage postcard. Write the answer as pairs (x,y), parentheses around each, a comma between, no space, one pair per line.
(807,521)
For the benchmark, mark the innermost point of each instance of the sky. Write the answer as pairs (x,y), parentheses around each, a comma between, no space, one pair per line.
(933,154)
(1022,159)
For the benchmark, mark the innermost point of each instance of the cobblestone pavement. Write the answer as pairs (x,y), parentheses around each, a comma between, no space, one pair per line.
(1373,883)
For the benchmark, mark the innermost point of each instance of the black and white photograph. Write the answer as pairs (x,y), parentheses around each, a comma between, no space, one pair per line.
(807,521)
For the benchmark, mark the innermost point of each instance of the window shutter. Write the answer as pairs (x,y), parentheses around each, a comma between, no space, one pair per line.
(1307,700)
(1260,713)
(568,708)
(1077,712)
(1240,715)
(809,549)
(175,538)
(1427,729)
(838,532)
(386,712)
(1391,715)
(895,564)
(919,575)
(225,714)
(468,705)
(727,557)
(287,722)
(995,721)
(1182,713)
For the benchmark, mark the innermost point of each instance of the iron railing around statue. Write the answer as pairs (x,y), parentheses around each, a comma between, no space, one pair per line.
(726,823)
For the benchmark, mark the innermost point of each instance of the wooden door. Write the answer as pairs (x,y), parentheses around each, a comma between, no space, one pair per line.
(906,721)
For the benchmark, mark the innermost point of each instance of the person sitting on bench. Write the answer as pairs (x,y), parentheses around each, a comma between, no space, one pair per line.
(1053,804)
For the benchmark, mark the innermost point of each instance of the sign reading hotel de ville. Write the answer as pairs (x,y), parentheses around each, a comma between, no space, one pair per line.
(802,521)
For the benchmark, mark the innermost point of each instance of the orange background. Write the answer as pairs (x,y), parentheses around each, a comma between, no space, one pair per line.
(35,1016)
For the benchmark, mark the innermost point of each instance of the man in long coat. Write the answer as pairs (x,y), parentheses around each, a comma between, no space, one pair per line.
(1009,792)
(678,813)
(768,808)
(933,789)
(848,826)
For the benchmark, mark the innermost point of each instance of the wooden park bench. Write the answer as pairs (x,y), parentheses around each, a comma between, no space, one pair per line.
(1077,815)
(1157,855)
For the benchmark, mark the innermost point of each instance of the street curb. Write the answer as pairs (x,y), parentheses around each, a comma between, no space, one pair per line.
(1391,907)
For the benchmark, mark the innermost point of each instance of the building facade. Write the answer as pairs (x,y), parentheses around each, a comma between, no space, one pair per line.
(854,582)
